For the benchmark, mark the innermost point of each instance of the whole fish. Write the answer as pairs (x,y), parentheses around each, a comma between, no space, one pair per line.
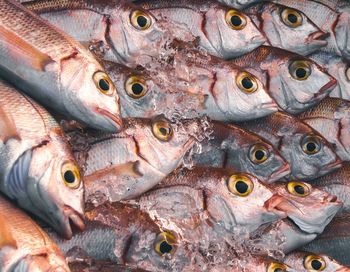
(222,31)
(24,246)
(37,169)
(55,70)
(125,165)
(306,261)
(331,118)
(294,82)
(287,28)
(307,152)
(205,204)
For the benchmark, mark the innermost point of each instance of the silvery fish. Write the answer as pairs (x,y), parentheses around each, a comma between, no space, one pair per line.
(239,4)
(54,69)
(24,246)
(232,147)
(294,82)
(116,30)
(125,165)
(37,169)
(331,118)
(261,264)
(287,28)
(306,261)
(307,152)
(205,204)
(222,31)
(335,240)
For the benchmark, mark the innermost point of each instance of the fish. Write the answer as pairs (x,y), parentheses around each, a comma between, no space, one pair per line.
(220,30)
(239,4)
(296,83)
(331,118)
(307,152)
(307,261)
(263,264)
(54,69)
(24,246)
(334,241)
(231,147)
(115,30)
(206,204)
(125,165)
(287,28)
(38,170)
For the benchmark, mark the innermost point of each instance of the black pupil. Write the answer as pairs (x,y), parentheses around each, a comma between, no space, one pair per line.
(311,146)
(316,264)
(236,20)
(300,72)
(104,84)
(241,187)
(137,88)
(292,18)
(69,176)
(141,21)
(247,83)
(165,247)
(299,189)
(259,155)
(163,131)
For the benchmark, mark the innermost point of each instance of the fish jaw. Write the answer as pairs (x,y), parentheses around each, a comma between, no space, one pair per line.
(72,218)
(116,122)
(282,172)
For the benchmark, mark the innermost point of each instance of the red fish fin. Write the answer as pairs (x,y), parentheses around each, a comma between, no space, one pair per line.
(6,238)
(8,128)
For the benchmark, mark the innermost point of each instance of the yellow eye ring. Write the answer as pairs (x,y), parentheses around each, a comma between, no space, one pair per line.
(240,185)
(311,144)
(71,175)
(298,188)
(291,17)
(140,20)
(162,130)
(258,154)
(136,87)
(277,267)
(347,73)
(104,83)
(300,70)
(314,263)
(165,243)
(247,82)
(235,19)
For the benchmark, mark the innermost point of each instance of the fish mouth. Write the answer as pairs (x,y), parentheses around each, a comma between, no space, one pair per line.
(319,36)
(270,106)
(328,87)
(72,219)
(276,205)
(332,166)
(117,120)
(282,172)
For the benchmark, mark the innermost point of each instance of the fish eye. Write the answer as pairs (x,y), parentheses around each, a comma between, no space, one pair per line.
(135,87)
(165,243)
(298,188)
(311,145)
(314,263)
(258,154)
(240,185)
(347,73)
(140,20)
(103,83)
(162,130)
(300,70)
(291,18)
(247,82)
(277,267)
(235,19)
(71,175)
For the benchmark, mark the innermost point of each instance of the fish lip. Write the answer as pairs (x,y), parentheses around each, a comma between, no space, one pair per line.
(282,172)
(329,86)
(272,205)
(319,35)
(117,121)
(334,165)
(270,105)
(74,217)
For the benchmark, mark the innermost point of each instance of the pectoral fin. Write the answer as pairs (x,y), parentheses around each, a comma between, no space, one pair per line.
(8,128)
(6,238)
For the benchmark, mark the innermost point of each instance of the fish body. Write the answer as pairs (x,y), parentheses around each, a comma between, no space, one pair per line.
(24,245)
(307,152)
(55,70)
(37,169)
(331,118)
(294,82)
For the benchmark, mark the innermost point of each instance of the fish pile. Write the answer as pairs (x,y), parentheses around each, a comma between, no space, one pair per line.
(159,135)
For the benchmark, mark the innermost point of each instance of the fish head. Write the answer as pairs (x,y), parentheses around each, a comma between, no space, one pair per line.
(290,29)
(231,32)
(340,69)
(241,94)
(238,4)
(39,263)
(310,208)
(92,95)
(306,261)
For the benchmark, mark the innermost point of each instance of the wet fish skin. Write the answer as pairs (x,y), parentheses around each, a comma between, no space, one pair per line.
(331,118)
(206,20)
(34,164)
(288,134)
(31,249)
(274,67)
(239,4)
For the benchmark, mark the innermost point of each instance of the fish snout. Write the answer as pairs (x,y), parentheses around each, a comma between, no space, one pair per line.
(278,205)
(115,119)
(73,219)
(280,173)
(319,35)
